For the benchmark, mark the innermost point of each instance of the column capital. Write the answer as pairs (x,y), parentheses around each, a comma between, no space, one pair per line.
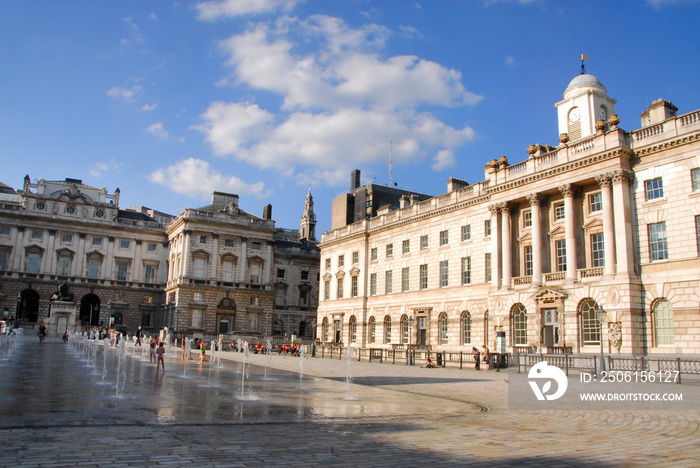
(621,176)
(493,208)
(568,190)
(503,207)
(535,199)
(604,180)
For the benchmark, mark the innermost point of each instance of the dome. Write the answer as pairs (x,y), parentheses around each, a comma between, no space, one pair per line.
(584,80)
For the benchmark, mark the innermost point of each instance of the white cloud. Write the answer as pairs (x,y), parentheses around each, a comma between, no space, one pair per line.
(97,169)
(230,127)
(149,107)
(158,130)
(126,94)
(443,159)
(196,177)
(215,9)
(510,60)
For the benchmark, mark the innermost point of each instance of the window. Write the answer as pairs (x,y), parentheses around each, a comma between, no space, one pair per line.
(487,227)
(597,250)
(404,279)
(37,235)
(372,329)
(487,267)
(340,288)
(71,210)
(559,211)
(444,237)
(560,252)
(4,230)
(695,177)
(527,219)
(94,266)
(280,296)
(406,246)
(200,268)
(444,274)
(304,298)
(3,259)
(373,284)
(697,232)
(353,329)
(33,262)
(280,273)
(443,326)
(227,269)
(663,323)
(590,326)
(255,270)
(229,243)
(466,270)
(202,239)
(355,258)
(404,330)
(424,276)
(373,253)
(63,267)
(657,241)
(122,270)
(387,283)
(527,260)
(305,275)
(466,232)
(328,264)
(519,325)
(390,250)
(124,244)
(465,326)
(595,202)
(324,330)
(326,290)
(151,247)
(97,241)
(353,286)
(66,238)
(653,189)
(197,318)
(257,246)
(149,274)
(387,329)
(341,261)
(424,242)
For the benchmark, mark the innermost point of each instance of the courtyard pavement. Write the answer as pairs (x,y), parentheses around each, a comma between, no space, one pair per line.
(60,406)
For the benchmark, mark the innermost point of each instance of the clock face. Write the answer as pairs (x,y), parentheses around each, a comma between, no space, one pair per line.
(574,115)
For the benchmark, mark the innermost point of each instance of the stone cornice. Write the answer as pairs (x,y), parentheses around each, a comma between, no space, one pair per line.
(685,140)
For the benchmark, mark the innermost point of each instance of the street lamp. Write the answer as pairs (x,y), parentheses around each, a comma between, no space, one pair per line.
(409,360)
(600,314)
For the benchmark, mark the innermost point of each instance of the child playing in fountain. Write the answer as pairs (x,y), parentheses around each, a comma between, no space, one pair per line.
(203,351)
(161,356)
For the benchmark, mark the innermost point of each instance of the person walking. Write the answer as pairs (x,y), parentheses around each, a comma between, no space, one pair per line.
(153,345)
(477,355)
(42,331)
(138,337)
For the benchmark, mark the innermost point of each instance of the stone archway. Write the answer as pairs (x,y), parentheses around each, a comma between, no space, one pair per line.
(28,306)
(90,310)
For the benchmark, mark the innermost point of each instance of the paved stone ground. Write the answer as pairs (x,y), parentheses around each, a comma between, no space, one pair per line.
(57,409)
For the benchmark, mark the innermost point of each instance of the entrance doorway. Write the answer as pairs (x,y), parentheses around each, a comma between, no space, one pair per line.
(337,331)
(550,328)
(422,330)
(28,306)
(90,310)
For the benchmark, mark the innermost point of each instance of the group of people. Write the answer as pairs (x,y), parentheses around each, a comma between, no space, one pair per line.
(292,349)
(186,346)
(484,355)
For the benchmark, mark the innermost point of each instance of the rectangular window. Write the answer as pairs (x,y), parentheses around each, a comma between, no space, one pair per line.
(487,267)
(200,267)
(466,232)
(341,261)
(597,250)
(33,262)
(406,246)
(326,290)
(280,296)
(151,247)
(389,250)
(388,277)
(373,254)
(444,237)
(97,241)
(373,284)
(559,211)
(695,177)
(37,235)
(658,246)
(149,274)
(229,243)
(424,276)
(653,189)
(697,233)
(66,238)
(527,260)
(257,246)
(355,258)
(405,279)
(122,270)
(304,298)
(328,264)
(202,239)
(444,274)
(305,275)
(560,249)
(4,230)
(63,267)
(466,270)
(424,242)
(595,202)
(94,265)
(3,260)
(227,271)
(124,244)
(353,282)
(487,227)
(340,288)
(527,219)
(280,273)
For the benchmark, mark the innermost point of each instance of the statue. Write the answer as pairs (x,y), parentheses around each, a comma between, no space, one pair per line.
(63,293)
(615,336)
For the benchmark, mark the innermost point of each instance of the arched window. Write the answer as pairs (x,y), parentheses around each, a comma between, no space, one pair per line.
(372,329)
(353,329)
(465,326)
(663,323)
(324,330)
(404,329)
(387,329)
(590,326)
(443,327)
(519,317)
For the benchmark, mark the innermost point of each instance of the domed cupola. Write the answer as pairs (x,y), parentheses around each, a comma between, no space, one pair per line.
(585,101)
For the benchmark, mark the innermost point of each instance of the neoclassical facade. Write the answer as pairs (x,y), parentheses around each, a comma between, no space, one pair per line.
(606,221)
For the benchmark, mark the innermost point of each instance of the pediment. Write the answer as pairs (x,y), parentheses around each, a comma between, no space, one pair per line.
(526,236)
(594,223)
(557,230)
(549,295)
(340,274)
(355,271)
(327,277)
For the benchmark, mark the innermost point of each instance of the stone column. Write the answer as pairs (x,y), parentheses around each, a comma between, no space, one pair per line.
(109,261)
(506,262)
(608,223)
(623,222)
(244,260)
(535,201)
(568,191)
(267,267)
(185,260)
(495,257)
(19,248)
(49,260)
(136,270)
(80,256)
(214,256)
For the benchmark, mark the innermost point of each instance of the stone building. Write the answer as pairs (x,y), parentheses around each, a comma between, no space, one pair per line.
(529,258)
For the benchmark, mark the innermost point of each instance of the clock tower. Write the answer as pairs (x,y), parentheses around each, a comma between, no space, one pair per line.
(585,101)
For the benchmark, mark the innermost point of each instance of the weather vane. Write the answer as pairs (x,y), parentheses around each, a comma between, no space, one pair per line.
(583,68)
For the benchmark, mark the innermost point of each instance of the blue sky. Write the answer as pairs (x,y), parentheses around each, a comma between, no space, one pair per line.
(172,100)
